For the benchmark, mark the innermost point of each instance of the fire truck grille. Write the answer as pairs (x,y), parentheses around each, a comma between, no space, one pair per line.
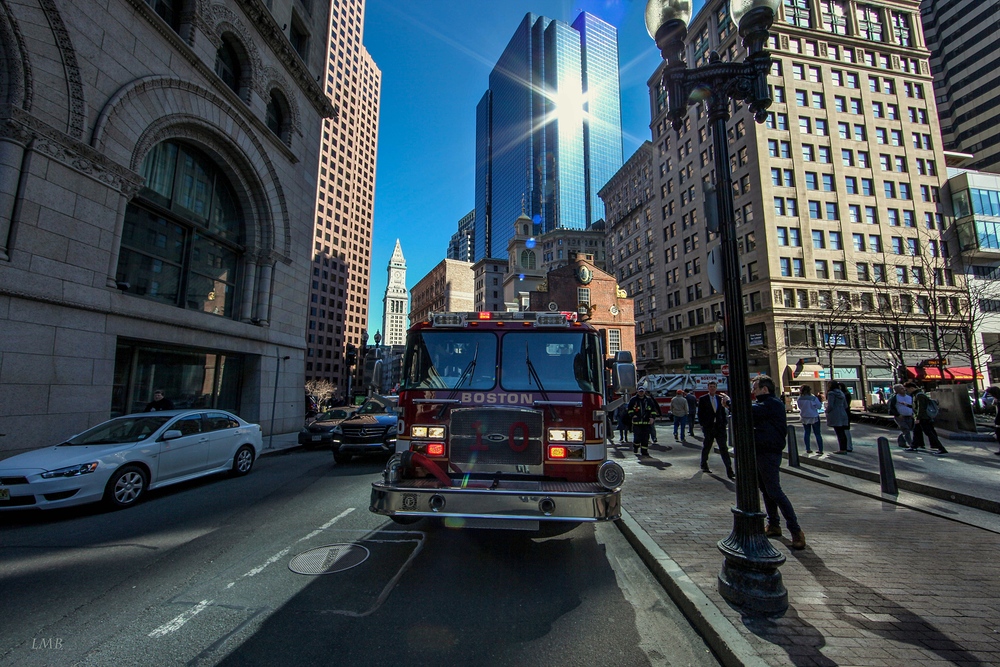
(496,436)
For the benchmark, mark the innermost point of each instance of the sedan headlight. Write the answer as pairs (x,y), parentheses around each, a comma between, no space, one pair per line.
(71,471)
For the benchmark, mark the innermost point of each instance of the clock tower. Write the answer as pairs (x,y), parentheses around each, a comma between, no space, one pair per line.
(396,302)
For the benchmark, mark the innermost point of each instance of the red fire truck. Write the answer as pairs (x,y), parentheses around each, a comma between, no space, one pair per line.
(501,425)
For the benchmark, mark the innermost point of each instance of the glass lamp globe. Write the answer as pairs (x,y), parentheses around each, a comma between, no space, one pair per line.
(740,8)
(658,12)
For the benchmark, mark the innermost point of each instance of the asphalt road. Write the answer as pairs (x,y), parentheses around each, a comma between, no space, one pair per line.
(199,574)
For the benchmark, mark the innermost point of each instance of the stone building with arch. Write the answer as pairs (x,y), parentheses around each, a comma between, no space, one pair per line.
(158,164)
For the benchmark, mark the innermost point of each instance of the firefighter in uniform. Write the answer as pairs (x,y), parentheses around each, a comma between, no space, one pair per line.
(643,409)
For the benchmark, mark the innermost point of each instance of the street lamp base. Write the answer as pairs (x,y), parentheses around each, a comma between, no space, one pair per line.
(752,589)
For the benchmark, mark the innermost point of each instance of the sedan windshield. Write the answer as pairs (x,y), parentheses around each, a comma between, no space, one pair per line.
(119,431)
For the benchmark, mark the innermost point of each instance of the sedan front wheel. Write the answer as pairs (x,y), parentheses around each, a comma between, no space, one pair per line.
(126,486)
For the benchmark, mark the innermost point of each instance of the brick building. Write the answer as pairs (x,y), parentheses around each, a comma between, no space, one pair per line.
(448,287)
(583,288)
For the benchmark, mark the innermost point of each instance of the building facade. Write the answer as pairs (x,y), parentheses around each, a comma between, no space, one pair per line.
(462,245)
(448,287)
(847,250)
(548,129)
(396,302)
(966,76)
(344,199)
(156,188)
(975,199)
(559,245)
(629,205)
(583,288)
(488,279)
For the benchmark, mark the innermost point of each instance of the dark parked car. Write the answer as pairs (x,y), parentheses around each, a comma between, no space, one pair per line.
(320,430)
(370,430)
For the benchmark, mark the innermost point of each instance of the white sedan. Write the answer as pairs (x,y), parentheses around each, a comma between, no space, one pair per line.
(121,459)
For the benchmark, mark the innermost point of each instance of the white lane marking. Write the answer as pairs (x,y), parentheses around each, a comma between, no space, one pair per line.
(275,557)
(327,524)
(177,623)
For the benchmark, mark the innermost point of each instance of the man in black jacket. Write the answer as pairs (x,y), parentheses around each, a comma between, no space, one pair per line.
(643,410)
(713,417)
(769,426)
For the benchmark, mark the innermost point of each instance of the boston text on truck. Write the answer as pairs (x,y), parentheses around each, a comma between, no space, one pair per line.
(502,421)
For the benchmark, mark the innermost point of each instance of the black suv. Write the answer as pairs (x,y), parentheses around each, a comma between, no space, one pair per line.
(370,430)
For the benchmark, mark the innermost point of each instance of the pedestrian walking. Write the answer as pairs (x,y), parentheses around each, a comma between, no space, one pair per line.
(692,409)
(652,425)
(837,416)
(622,420)
(641,409)
(901,409)
(809,407)
(159,402)
(924,414)
(679,409)
(713,416)
(994,393)
(769,426)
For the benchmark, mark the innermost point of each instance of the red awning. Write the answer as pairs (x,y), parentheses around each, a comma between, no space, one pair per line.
(950,373)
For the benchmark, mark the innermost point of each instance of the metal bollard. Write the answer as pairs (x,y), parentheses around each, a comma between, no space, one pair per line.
(886,471)
(793,448)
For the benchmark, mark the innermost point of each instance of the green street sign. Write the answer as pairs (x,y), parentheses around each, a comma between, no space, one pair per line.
(692,367)
(719,362)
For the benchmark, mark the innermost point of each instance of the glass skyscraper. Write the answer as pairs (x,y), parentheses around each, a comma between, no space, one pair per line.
(548,130)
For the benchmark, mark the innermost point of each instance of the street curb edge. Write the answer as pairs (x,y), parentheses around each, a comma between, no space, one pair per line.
(725,640)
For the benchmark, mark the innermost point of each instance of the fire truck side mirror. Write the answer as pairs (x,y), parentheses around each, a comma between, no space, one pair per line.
(623,373)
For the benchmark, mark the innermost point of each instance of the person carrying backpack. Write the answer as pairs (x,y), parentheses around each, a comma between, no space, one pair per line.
(925,411)
(901,409)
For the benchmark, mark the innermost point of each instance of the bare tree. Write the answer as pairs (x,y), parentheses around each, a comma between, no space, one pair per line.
(321,390)
(836,323)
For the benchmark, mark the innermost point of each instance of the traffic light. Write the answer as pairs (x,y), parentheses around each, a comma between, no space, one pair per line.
(352,355)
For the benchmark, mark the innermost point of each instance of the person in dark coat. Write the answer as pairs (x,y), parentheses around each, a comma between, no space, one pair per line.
(692,410)
(769,431)
(624,425)
(159,402)
(713,416)
(837,415)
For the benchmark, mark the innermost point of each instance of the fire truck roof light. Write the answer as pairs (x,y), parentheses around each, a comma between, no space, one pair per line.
(448,320)
(552,320)
(485,315)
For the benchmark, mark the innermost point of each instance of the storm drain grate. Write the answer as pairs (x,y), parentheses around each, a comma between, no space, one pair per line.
(329,559)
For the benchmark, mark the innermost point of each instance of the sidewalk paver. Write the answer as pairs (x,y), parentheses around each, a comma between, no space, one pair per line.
(878,584)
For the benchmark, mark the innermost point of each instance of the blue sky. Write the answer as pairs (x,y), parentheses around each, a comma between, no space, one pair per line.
(435,57)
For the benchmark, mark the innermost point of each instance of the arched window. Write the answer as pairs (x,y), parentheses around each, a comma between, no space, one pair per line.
(527,259)
(169,11)
(228,65)
(181,243)
(275,117)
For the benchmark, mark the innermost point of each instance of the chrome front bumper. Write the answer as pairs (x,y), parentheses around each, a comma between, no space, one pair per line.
(512,500)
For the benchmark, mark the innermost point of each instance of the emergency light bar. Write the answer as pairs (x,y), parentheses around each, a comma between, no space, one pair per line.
(526,317)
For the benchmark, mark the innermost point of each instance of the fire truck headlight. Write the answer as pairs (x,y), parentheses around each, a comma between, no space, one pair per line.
(418,431)
(435,431)
(610,475)
(566,435)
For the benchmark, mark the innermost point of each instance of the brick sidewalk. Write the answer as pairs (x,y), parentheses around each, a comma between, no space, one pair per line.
(878,584)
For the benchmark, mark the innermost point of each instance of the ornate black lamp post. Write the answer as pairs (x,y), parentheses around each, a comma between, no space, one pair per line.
(749,576)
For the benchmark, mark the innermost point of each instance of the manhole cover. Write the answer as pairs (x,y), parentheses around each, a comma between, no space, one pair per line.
(329,559)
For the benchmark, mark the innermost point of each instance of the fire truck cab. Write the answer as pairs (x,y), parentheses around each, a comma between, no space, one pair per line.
(501,424)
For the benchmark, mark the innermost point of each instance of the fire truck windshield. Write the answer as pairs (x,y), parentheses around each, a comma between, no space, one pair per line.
(436,360)
(564,360)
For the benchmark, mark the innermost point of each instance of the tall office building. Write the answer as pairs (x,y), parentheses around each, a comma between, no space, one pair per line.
(839,217)
(966,67)
(342,243)
(462,243)
(396,302)
(548,130)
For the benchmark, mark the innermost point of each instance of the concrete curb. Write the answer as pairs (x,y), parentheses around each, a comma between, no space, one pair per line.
(727,643)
